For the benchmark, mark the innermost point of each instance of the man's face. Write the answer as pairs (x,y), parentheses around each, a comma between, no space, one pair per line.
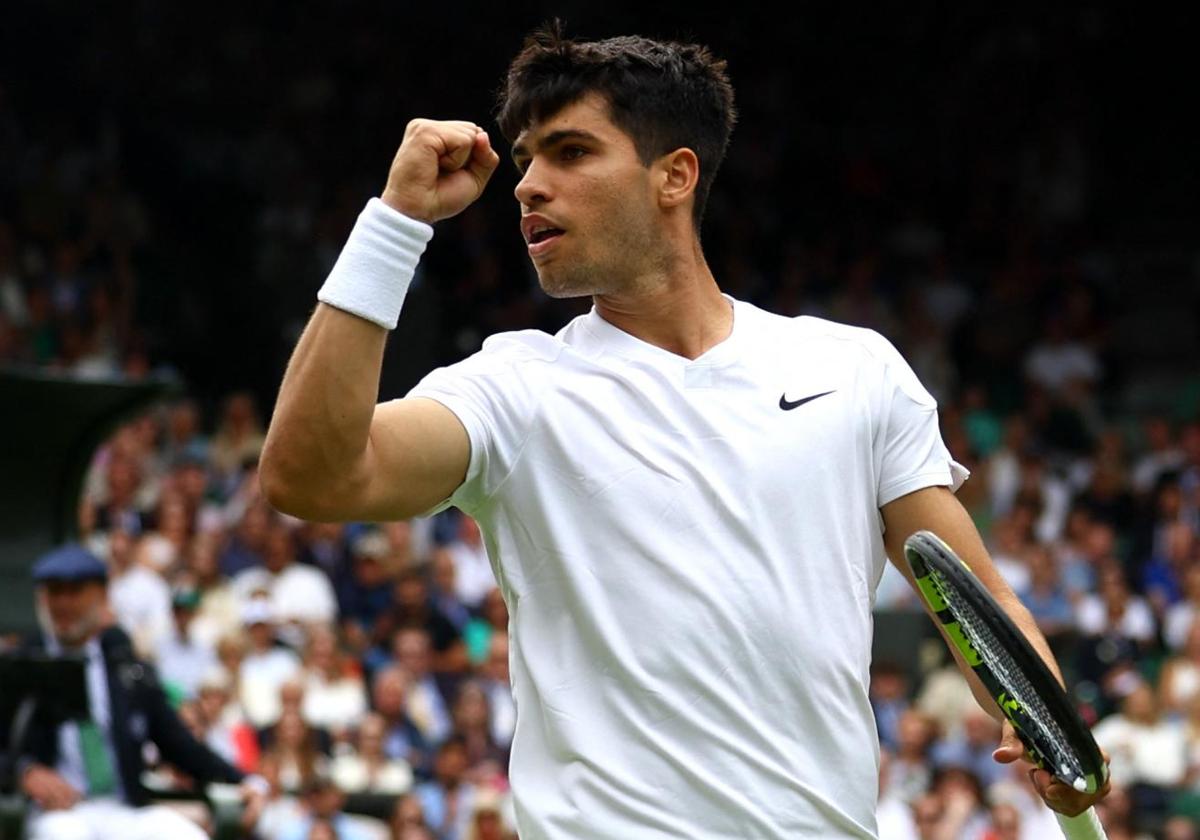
(76,609)
(582,175)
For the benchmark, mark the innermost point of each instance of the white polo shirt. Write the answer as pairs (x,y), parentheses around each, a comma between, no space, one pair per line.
(689,551)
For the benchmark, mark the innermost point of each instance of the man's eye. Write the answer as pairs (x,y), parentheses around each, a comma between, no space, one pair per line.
(573,152)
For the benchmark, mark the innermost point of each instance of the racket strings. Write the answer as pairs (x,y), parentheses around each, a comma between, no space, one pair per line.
(994,655)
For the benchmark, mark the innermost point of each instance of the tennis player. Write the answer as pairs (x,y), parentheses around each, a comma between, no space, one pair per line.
(688,501)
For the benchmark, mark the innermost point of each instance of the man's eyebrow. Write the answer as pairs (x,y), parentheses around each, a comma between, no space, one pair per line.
(554,137)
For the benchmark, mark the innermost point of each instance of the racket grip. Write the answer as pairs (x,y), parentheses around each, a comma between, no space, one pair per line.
(1086,826)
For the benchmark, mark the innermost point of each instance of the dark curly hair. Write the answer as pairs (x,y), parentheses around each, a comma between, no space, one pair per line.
(665,95)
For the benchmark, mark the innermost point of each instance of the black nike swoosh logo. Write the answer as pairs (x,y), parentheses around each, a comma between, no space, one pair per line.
(786,405)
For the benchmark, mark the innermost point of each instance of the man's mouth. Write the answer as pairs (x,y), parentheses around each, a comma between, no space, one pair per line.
(545,234)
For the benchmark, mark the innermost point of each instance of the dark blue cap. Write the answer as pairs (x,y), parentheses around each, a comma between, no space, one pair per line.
(70,562)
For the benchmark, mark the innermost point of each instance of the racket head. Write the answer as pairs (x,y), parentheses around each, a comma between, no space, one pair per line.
(1055,736)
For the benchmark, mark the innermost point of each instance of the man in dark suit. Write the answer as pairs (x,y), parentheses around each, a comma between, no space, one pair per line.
(84,777)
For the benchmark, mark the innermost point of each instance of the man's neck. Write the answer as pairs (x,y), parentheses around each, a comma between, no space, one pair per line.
(682,312)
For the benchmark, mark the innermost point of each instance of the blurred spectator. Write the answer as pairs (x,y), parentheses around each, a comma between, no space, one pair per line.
(444,591)
(295,752)
(239,437)
(225,729)
(1115,611)
(472,570)
(1045,596)
(492,619)
(487,760)
(889,700)
(448,799)
(971,748)
(911,770)
(183,662)
(365,596)
(266,666)
(411,648)
(299,595)
(365,768)
(1182,615)
(412,607)
(497,685)
(139,597)
(408,820)
(402,739)
(1180,679)
(219,611)
(246,548)
(1147,749)
(1161,455)
(323,816)
(335,698)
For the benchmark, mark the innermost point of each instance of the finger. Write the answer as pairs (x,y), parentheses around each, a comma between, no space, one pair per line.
(457,150)
(484,159)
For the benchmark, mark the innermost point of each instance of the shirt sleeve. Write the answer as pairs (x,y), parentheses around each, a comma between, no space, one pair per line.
(492,394)
(910,453)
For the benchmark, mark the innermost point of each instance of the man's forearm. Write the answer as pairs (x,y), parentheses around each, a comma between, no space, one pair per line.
(321,425)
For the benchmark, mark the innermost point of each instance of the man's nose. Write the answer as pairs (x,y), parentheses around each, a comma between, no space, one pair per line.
(532,188)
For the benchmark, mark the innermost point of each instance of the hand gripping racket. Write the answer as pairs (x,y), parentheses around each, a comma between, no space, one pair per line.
(1056,739)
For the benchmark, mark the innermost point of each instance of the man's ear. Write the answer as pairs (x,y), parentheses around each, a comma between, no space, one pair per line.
(679,173)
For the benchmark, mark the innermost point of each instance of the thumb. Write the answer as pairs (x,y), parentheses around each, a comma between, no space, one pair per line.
(1010,748)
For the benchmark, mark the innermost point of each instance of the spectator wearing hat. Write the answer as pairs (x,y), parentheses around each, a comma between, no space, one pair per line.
(85,777)
(183,662)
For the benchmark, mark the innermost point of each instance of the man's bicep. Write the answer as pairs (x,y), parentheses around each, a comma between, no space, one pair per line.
(936,509)
(417,456)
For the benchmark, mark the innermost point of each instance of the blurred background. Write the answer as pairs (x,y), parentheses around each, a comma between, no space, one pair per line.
(1011,200)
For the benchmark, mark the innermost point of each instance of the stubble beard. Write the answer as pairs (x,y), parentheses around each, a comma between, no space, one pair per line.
(625,258)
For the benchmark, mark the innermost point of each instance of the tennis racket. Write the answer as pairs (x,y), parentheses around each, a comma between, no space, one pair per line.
(1055,737)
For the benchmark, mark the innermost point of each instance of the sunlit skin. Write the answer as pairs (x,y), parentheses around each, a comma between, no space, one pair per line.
(629,240)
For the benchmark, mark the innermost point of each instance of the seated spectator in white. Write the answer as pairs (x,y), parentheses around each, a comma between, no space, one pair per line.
(335,697)
(1115,610)
(1045,597)
(473,571)
(408,820)
(497,684)
(266,666)
(365,769)
(971,747)
(448,799)
(139,597)
(1180,679)
(282,809)
(1145,746)
(219,612)
(226,731)
(299,594)
(402,739)
(964,815)
(1180,617)
(182,662)
(295,750)
(1059,361)
(411,649)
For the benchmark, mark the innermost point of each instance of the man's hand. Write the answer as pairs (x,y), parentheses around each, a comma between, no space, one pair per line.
(1058,796)
(49,790)
(254,791)
(440,169)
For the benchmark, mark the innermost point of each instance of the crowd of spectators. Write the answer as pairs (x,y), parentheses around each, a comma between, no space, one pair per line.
(334,660)
(347,660)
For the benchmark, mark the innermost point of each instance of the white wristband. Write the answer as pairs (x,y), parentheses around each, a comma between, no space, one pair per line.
(372,274)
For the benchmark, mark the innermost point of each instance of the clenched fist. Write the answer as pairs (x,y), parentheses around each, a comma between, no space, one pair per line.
(441,167)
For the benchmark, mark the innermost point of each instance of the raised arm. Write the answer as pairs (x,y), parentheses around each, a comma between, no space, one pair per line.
(331,453)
